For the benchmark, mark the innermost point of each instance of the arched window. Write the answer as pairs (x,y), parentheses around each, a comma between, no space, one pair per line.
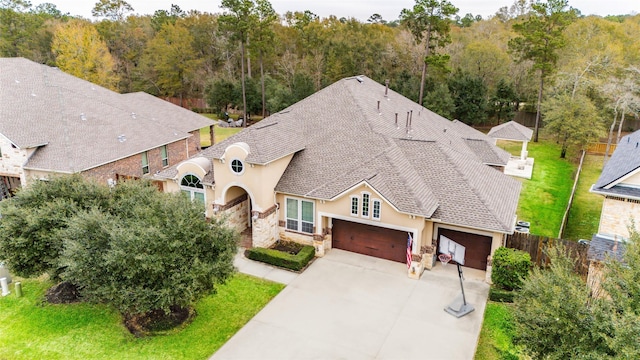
(192,187)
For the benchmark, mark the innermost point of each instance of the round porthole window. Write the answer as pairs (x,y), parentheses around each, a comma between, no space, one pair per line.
(237,166)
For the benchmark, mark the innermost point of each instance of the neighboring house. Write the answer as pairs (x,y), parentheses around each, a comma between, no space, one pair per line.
(55,123)
(619,183)
(602,249)
(358,167)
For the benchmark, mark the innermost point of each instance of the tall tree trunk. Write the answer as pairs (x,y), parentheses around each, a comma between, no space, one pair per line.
(248,62)
(244,91)
(537,127)
(613,126)
(264,107)
(620,126)
(424,65)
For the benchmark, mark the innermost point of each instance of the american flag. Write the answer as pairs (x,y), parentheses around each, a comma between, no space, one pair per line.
(409,246)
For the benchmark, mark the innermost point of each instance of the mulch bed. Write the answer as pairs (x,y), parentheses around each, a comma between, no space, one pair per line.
(63,293)
(157,321)
(288,247)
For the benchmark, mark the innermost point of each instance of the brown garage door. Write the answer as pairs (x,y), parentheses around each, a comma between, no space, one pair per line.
(370,240)
(478,247)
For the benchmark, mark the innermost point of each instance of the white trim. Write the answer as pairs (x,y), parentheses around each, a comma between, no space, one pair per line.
(299,218)
(368,194)
(373,211)
(623,178)
(221,201)
(193,190)
(351,198)
(244,167)
(365,183)
(413,231)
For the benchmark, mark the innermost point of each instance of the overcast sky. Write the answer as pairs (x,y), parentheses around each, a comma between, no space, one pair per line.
(359,9)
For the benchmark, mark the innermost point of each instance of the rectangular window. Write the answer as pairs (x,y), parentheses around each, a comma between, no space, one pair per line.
(300,215)
(376,210)
(354,206)
(165,156)
(145,163)
(365,205)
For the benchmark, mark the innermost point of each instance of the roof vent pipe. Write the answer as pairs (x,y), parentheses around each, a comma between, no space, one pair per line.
(407,123)
(386,88)
(410,120)
(396,120)
(378,106)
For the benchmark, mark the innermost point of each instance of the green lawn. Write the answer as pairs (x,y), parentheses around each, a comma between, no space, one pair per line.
(496,336)
(31,329)
(544,198)
(584,216)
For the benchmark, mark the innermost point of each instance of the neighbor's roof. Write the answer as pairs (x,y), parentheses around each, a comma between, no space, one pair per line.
(341,138)
(600,247)
(77,125)
(624,161)
(511,131)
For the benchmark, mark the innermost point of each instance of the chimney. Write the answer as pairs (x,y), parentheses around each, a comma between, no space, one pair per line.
(386,88)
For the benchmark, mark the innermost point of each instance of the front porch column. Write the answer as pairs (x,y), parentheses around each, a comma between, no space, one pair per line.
(524,153)
(264,227)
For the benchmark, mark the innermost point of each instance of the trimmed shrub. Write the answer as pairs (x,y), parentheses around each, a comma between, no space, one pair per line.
(500,295)
(510,268)
(282,259)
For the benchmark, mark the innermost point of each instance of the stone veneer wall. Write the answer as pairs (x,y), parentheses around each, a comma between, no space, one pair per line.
(12,159)
(287,235)
(616,215)
(237,212)
(264,228)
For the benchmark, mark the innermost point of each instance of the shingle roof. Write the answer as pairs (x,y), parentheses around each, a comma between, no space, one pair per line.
(347,134)
(600,247)
(511,131)
(625,160)
(80,124)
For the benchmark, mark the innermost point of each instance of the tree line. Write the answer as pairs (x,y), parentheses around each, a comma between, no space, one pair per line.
(534,55)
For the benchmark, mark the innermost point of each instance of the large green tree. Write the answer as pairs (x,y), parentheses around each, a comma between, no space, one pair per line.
(150,251)
(112,9)
(31,222)
(170,62)
(540,36)
(238,19)
(430,23)
(262,37)
(574,119)
(81,52)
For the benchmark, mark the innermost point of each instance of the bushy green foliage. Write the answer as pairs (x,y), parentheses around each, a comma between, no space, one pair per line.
(501,295)
(556,317)
(282,259)
(469,95)
(510,267)
(31,221)
(131,246)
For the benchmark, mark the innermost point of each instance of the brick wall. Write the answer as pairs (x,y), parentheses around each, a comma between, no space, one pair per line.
(132,166)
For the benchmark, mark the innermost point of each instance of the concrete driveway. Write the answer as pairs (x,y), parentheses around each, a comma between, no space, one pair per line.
(350,306)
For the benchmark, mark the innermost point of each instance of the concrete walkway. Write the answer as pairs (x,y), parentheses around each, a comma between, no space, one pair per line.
(350,306)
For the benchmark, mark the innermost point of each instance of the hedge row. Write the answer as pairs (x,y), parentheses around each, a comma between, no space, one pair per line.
(500,295)
(278,258)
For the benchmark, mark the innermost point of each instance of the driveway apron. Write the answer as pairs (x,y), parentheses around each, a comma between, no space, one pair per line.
(351,306)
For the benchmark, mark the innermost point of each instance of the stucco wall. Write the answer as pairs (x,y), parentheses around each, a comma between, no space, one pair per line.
(616,216)
(340,208)
(258,180)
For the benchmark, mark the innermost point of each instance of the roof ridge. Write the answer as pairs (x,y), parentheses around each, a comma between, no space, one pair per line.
(472,186)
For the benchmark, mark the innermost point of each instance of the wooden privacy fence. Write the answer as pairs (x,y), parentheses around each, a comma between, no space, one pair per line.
(600,148)
(537,247)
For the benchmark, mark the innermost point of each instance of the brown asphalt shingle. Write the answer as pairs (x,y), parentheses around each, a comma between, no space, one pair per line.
(80,124)
(341,138)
